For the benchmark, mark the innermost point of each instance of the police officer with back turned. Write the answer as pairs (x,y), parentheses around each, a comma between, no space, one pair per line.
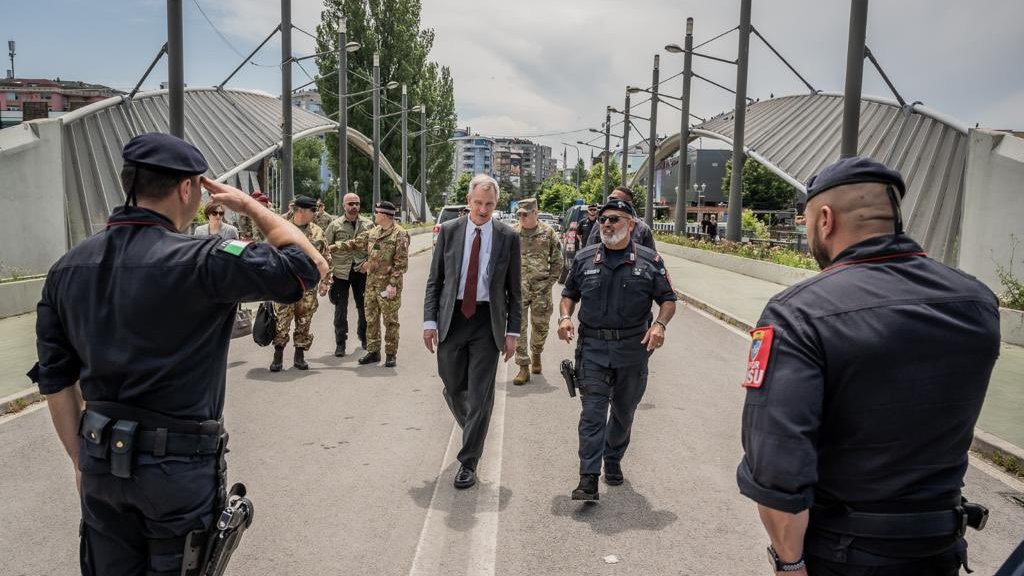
(616,282)
(863,387)
(132,337)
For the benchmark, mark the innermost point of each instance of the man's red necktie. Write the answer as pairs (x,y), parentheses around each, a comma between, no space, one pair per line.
(469,294)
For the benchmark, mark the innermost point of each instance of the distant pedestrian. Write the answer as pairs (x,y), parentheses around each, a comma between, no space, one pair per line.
(585,225)
(215,225)
(323,218)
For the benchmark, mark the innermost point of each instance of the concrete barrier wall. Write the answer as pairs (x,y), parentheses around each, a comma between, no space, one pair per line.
(1011,326)
(993,209)
(20,297)
(767,271)
(33,234)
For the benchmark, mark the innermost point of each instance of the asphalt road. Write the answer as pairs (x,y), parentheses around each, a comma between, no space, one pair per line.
(350,469)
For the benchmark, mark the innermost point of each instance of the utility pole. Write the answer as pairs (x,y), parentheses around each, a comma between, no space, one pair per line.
(342,113)
(653,144)
(684,134)
(287,174)
(376,128)
(625,138)
(734,229)
(607,145)
(405,154)
(423,162)
(854,77)
(175,70)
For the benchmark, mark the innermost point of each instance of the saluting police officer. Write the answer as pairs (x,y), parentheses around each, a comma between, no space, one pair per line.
(135,321)
(616,282)
(863,387)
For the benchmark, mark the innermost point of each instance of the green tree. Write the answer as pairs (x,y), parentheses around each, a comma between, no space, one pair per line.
(556,195)
(391,28)
(762,188)
(592,187)
(306,155)
(579,173)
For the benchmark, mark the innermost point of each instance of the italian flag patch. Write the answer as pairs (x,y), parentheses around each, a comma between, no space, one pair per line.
(233,247)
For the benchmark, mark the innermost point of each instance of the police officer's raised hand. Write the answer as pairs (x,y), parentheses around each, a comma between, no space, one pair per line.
(566,331)
(229,196)
(654,337)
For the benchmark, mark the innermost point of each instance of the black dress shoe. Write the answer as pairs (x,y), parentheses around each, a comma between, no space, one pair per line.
(613,474)
(370,358)
(391,360)
(339,350)
(587,490)
(465,478)
(300,359)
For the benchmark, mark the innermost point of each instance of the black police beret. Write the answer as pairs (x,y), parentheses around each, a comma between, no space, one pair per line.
(854,170)
(165,153)
(305,202)
(385,207)
(620,205)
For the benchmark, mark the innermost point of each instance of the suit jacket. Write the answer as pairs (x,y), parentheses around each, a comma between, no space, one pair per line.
(502,269)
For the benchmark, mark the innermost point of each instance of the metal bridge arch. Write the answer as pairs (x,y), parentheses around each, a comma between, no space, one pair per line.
(233,128)
(795,136)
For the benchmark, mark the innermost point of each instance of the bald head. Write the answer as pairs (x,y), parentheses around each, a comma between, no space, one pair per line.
(845,215)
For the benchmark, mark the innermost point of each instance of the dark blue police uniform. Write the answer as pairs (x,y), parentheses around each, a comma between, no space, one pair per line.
(141,316)
(864,384)
(615,289)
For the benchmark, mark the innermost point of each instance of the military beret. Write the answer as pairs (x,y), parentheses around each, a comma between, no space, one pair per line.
(305,202)
(164,153)
(527,205)
(385,207)
(620,205)
(854,170)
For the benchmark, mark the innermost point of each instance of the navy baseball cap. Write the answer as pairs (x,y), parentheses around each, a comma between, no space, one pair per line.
(854,170)
(165,153)
(620,205)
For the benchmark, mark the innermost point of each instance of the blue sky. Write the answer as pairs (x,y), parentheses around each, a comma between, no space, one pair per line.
(536,66)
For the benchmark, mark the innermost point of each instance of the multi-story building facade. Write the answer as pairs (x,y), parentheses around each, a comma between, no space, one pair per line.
(516,157)
(473,153)
(23,99)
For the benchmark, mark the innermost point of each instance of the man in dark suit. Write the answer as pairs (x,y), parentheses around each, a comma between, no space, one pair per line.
(471,313)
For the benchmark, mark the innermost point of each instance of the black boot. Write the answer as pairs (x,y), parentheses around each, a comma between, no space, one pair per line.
(275,364)
(390,360)
(587,490)
(300,360)
(370,358)
(613,474)
(339,350)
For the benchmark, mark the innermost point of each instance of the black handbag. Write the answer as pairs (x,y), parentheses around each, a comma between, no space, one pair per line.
(243,323)
(264,327)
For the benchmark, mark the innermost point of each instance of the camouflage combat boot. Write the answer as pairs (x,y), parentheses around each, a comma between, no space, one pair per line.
(535,365)
(523,377)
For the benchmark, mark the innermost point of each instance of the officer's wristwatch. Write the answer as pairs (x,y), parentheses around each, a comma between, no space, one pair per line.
(560,318)
(780,566)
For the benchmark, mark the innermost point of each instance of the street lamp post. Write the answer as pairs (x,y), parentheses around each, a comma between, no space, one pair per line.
(175,70)
(423,163)
(607,145)
(342,113)
(733,230)
(625,138)
(287,184)
(405,153)
(684,128)
(376,128)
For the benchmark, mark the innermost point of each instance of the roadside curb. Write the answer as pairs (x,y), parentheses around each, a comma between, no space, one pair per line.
(19,401)
(1004,454)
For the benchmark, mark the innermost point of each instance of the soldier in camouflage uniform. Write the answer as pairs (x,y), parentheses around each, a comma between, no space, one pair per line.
(387,258)
(246,229)
(541,258)
(322,218)
(303,310)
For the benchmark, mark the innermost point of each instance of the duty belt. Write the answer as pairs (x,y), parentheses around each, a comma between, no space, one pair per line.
(118,431)
(900,526)
(612,333)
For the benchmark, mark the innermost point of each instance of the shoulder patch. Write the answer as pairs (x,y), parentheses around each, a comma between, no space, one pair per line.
(760,353)
(233,247)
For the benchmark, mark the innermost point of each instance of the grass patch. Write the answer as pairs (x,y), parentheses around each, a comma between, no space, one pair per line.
(1008,462)
(774,254)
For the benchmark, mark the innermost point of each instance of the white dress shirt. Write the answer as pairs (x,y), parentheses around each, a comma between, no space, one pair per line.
(483,279)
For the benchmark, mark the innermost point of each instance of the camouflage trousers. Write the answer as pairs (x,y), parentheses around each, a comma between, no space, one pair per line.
(302,311)
(385,309)
(537,307)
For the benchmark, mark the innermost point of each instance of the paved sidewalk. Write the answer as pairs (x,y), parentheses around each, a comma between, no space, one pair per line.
(741,298)
(18,340)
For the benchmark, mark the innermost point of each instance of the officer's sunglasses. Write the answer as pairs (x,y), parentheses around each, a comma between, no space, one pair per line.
(612,219)
(351,203)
